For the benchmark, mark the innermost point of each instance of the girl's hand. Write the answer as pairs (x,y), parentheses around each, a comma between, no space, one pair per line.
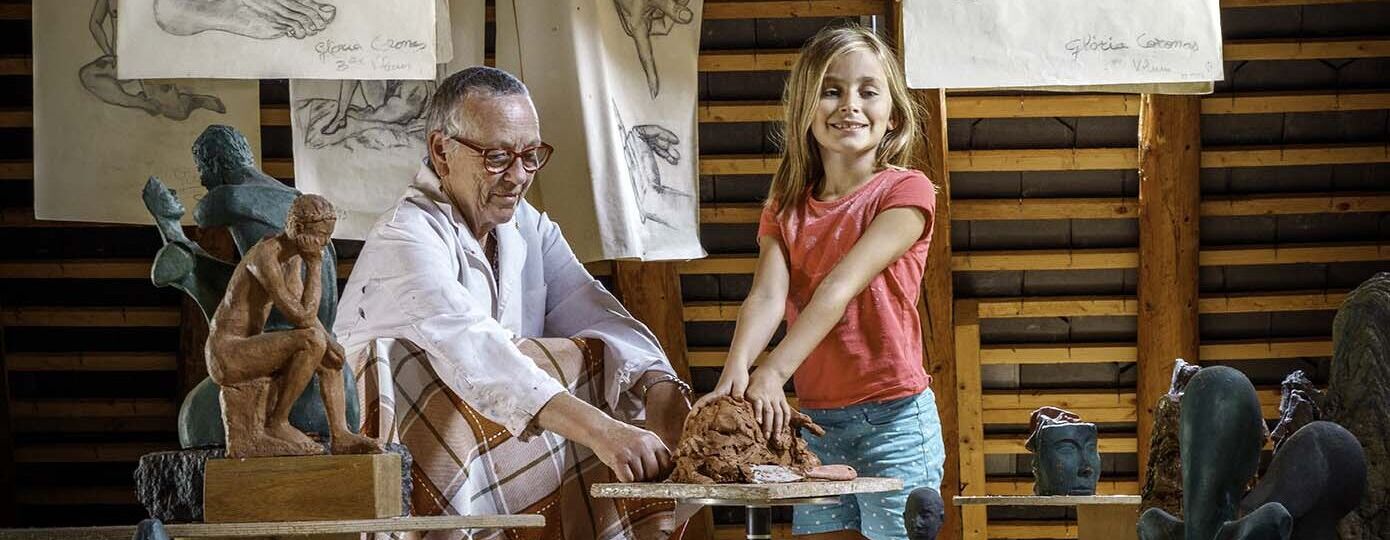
(770,408)
(732,382)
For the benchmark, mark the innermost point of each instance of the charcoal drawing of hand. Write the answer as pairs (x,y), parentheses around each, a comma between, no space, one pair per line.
(643,19)
(645,146)
(258,19)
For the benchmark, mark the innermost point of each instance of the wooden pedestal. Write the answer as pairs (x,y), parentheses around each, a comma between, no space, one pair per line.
(305,488)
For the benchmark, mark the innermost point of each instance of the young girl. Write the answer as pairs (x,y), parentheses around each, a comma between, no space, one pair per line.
(843,244)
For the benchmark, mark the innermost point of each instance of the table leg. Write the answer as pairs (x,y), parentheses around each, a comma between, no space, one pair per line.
(758,522)
(1106,521)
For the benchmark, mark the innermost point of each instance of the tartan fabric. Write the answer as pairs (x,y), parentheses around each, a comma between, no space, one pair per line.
(466,464)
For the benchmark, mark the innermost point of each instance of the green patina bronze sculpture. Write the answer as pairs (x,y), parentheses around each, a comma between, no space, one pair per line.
(252,206)
(1221,432)
(1066,460)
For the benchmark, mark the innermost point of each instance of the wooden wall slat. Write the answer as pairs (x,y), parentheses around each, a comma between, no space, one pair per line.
(91,361)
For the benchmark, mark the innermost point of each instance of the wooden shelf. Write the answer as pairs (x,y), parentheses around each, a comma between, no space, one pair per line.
(94,408)
(87,452)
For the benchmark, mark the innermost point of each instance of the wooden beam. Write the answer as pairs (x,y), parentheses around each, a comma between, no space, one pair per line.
(16,118)
(90,316)
(143,425)
(16,170)
(1295,155)
(76,269)
(1266,349)
(792,9)
(94,408)
(1047,353)
(738,164)
(723,112)
(1047,208)
(1295,102)
(1294,254)
(92,361)
(1304,49)
(1045,259)
(87,452)
(970,416)
(1287,204)
(1170,149)
(1044,159)
(1042,106)
(746,60)
(16,66)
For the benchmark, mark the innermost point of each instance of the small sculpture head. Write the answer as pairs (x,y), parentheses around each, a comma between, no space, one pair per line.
(310,223)
(924,515)
(1065,460)
(219,152)
(162,201)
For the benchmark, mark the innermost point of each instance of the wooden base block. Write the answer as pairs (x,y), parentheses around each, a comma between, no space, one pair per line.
(1106,522)
(303,488)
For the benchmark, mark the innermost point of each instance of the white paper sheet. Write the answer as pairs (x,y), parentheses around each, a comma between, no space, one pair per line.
(304,39)
(359,143)
(1008,43)
(615,84)
(97,139)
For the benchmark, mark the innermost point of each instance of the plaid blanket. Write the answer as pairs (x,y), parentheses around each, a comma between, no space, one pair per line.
(466,464)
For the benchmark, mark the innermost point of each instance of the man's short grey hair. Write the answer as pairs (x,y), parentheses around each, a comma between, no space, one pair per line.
(470,82)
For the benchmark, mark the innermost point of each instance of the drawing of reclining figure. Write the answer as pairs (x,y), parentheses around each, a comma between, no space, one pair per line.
(259,19)
(383,114)
(156,98)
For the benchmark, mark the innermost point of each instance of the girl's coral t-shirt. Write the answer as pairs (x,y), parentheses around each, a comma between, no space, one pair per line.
(875,352)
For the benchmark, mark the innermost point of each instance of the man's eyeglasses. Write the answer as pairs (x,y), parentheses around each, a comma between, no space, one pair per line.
(497,160)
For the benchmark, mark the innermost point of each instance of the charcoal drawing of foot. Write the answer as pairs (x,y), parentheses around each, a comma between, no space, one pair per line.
(258,19)
(643,19)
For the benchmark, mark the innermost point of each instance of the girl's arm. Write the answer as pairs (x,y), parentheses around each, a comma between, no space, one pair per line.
(758,319)
(889,236)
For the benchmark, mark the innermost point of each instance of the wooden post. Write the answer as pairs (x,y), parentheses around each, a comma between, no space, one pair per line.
(1170,149)
(652,292)
(938,298)
(938,295)
(970,445)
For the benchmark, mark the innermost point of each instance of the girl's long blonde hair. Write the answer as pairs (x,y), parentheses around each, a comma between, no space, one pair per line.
(801,172)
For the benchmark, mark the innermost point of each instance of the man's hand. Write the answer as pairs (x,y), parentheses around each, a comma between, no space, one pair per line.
(634,454)
(667,408)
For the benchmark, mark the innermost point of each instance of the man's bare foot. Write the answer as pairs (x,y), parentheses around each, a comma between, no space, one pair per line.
(351,443)
(260,19)
(281,447)
(293,436)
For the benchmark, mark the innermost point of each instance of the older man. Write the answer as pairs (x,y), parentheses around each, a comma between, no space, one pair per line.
(466,272)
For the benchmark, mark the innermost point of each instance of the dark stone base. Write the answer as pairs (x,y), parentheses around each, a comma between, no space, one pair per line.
(170,484)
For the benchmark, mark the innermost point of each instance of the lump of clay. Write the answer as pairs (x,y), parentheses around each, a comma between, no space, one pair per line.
(722,443)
